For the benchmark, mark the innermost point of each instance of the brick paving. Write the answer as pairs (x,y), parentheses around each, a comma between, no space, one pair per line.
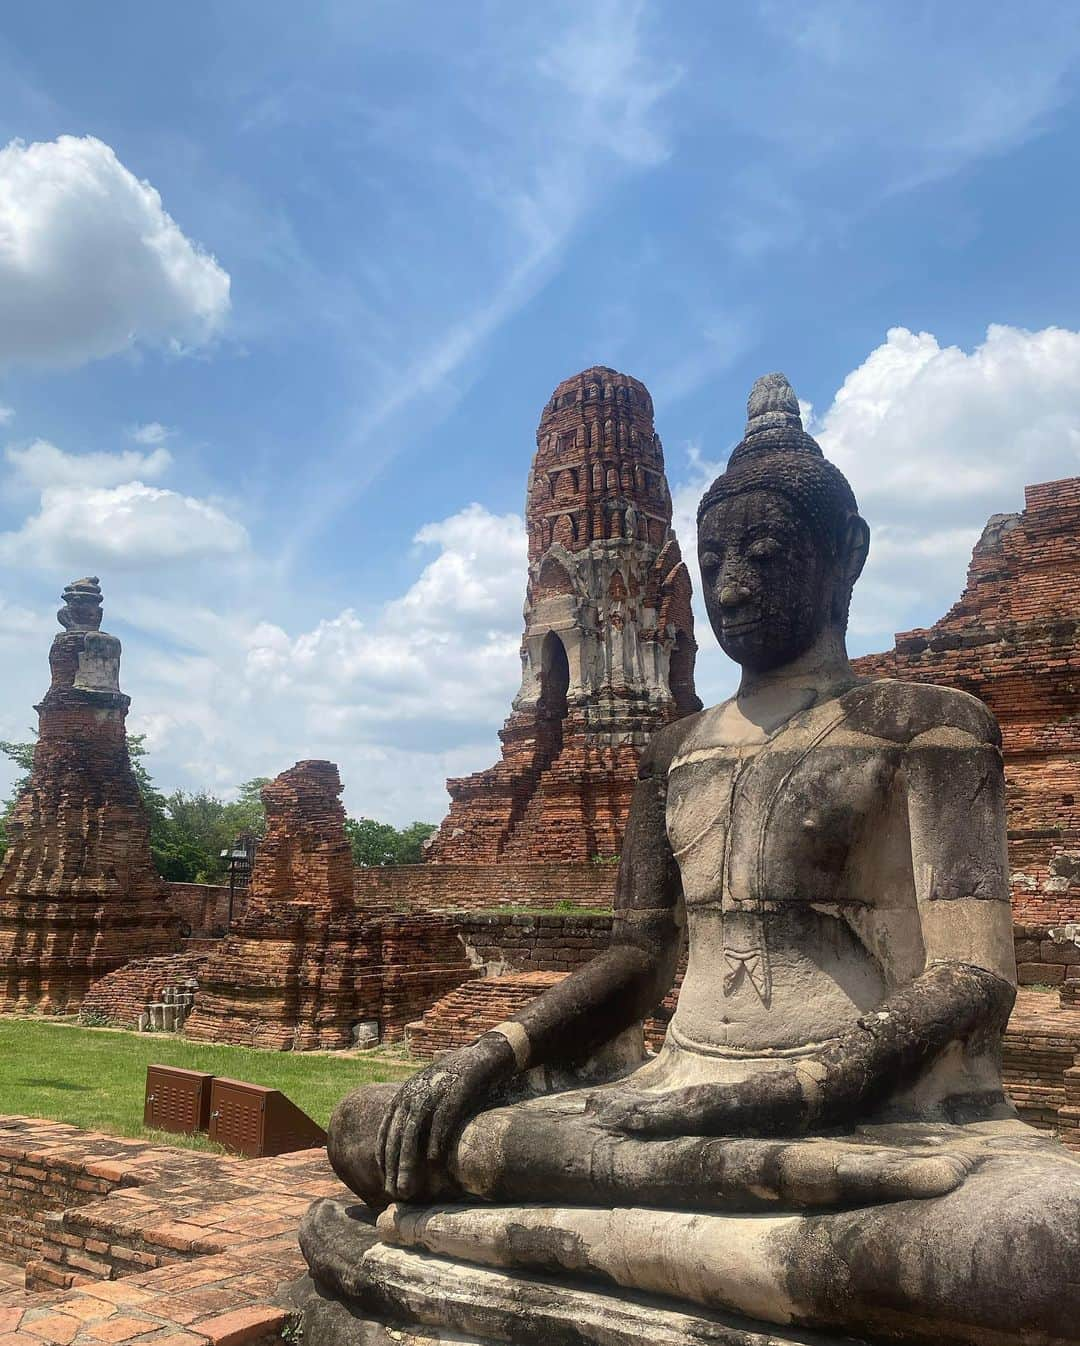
(186,1249)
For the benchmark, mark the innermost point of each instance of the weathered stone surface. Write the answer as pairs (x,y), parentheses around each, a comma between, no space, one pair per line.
(305,964)
(823,1139)
(361,1272)
(79,895)
(608,650)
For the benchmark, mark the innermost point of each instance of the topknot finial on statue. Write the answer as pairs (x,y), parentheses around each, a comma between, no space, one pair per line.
(773,421)
(772,403)
(777,454)
(82,605)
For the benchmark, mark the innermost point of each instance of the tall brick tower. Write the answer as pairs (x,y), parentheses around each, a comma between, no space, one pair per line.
(79,895)
(608,651)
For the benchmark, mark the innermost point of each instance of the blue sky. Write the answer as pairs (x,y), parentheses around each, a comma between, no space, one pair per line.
(283,289)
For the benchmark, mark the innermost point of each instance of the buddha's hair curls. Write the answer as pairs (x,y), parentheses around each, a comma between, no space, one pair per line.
(776,454)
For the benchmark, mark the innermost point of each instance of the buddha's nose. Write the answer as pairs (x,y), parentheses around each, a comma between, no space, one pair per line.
(732,595)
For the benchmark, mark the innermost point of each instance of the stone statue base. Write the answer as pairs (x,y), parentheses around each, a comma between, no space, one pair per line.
(366,1289)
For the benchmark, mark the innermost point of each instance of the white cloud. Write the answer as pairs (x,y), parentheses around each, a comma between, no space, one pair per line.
(446,650)
(935,439)
(400,697)
(90,261)
(152,432)
(130,525)
(43,465)
(6,413)
(95,509)
(478,576)
(603,68)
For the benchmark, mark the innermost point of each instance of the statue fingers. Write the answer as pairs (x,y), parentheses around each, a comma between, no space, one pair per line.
(444,1122)
(681,1112)
(392,1149)
(384,1133)
(408,1181)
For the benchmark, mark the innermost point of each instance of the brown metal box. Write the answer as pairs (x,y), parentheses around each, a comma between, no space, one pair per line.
(256,1121)
(177,1100)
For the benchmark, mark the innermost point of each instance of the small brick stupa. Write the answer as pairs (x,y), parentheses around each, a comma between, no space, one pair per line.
(1013,640)
(608,651)
(79,895)
(305,966)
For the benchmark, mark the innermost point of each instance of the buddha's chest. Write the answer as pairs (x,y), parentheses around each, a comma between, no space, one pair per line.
(776,822)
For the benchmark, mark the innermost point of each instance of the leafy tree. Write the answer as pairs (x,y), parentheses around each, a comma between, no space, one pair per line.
(22,754)
(200,826)
(377,844)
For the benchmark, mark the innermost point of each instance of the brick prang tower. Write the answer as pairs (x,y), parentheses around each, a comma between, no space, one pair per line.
(79,894)
(608,651)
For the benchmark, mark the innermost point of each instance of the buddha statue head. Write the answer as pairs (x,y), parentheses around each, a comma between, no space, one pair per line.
(780,540)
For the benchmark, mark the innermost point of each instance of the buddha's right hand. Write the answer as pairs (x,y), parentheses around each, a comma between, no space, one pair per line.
(429,1110)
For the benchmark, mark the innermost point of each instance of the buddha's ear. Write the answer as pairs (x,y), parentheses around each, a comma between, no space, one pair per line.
(854,548)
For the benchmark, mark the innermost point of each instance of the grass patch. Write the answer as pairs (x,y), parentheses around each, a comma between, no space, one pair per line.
(96,1078)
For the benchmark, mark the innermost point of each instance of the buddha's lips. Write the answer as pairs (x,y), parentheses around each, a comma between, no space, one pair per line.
(736,628)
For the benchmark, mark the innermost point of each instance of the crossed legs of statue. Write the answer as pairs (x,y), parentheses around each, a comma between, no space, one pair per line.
(902,1228)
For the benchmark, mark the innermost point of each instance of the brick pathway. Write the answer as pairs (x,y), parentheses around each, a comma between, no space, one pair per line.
(185,1249)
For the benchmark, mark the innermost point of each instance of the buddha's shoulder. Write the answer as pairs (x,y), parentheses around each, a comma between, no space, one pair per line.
(901,712)
(667,742)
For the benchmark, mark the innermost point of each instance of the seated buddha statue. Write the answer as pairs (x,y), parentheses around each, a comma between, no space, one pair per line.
(821,1150)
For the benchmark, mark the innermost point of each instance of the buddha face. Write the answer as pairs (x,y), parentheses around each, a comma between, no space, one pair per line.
(769,578)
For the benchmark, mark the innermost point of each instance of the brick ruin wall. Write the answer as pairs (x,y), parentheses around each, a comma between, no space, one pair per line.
(308,962)
(472,886)
(33,1188)
(122,1238)
(500,943)
(1013,640)
(203,908)
(122,996)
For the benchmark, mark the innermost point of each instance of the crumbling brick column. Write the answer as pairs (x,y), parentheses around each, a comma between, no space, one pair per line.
(79,895)
(305,965)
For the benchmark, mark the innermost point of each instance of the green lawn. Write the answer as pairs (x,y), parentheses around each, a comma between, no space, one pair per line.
(95,1078)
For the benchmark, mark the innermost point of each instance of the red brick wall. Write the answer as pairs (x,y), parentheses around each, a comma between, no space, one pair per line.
(79,894)
(122,996)
(470,886)
(204,907)
(33,1187)
(558,942)
(1013,640)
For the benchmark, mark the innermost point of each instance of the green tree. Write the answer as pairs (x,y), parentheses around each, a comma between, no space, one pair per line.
(22,754)
(376,844)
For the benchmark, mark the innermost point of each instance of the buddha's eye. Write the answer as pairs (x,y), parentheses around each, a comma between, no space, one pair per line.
(710,563)
(763,549)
